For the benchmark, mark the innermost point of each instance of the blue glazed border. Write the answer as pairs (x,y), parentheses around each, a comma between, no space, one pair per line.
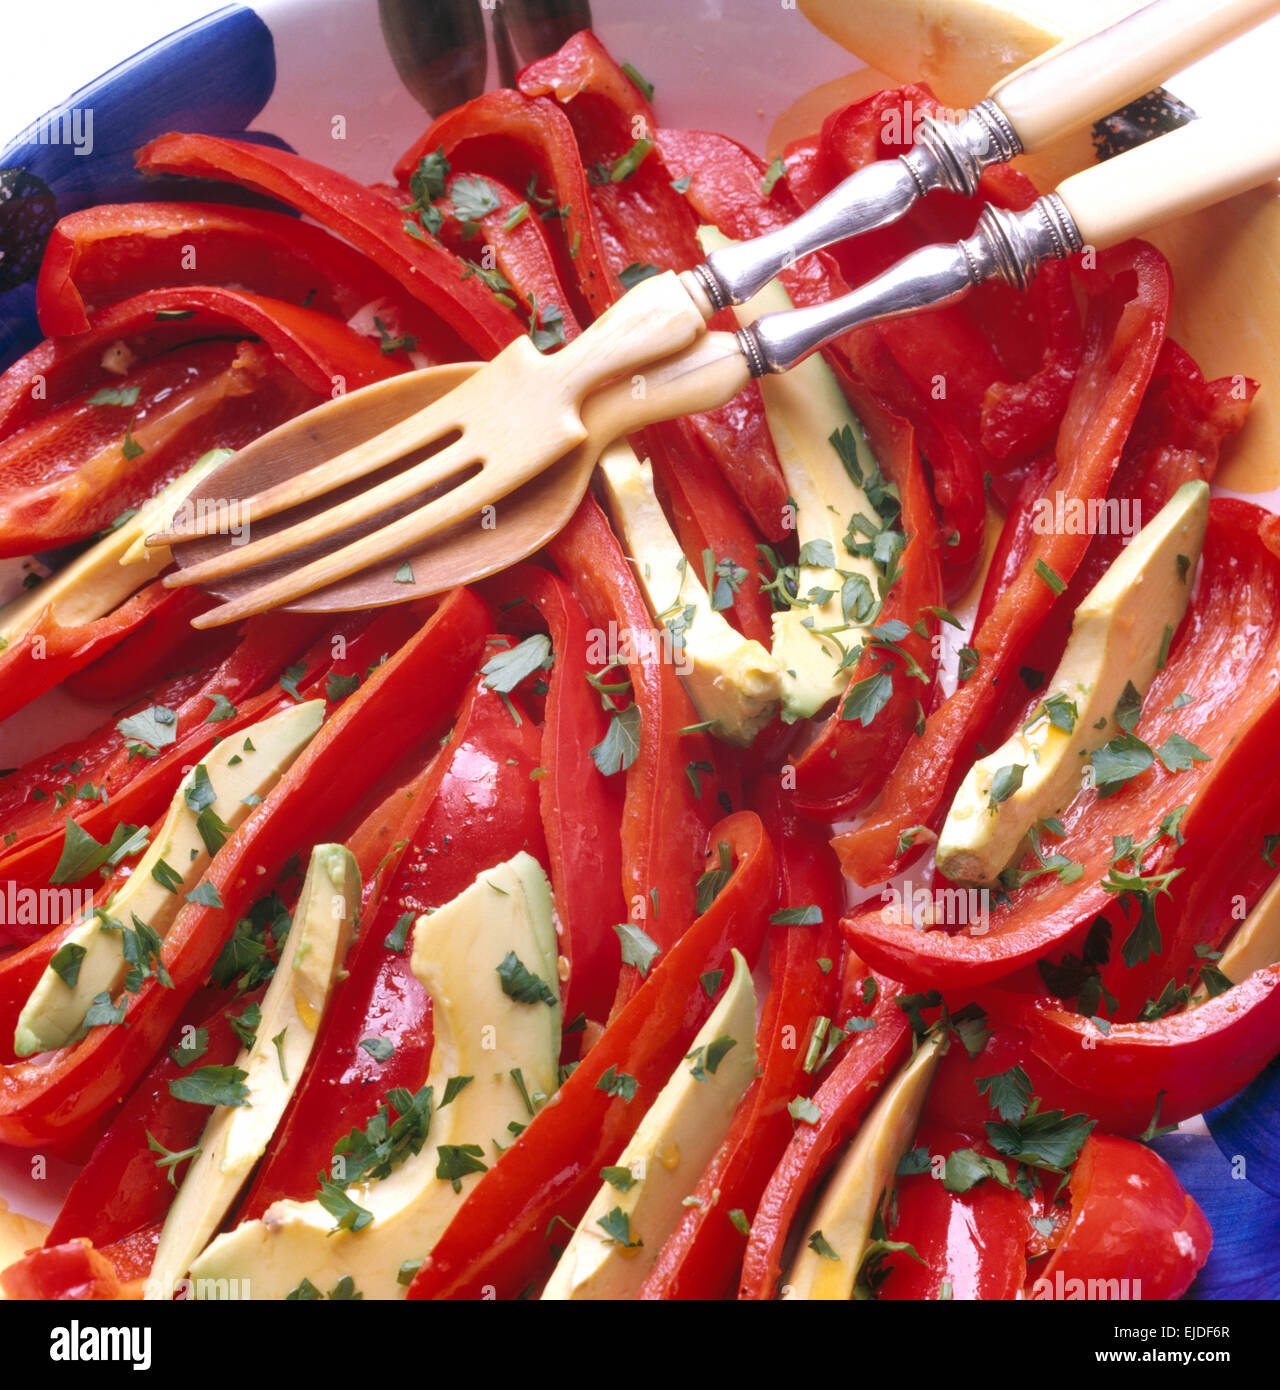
(213,76)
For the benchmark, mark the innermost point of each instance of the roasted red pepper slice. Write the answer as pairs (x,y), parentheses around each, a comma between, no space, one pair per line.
(318,350)
(162,643)
(706,516)
(521,249)
(512,137)
(1134,1232)
(123,1187)
(74,1270)
(1227,656)
(498,1241)
(702,1257)
(86,457)
(868,1058)
(644,221)
(48,652)
(664,818)
(104,254)
(954,1101)
(1192,1060)
(946,372)
(70,473)
(139,787)
(973,1244)
(402,701)
(475,807)
(581,808)
(1129,307)
(369,221)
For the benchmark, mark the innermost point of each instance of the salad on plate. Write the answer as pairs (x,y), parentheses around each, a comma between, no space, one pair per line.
(825,871)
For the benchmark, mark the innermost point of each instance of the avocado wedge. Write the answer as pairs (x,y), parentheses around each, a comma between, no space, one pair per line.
(1120,633)
(236,1137)
(639,1204)
(826,1265)
(114,567)
(210,799)
(730,678)
(804,408)
(488,960)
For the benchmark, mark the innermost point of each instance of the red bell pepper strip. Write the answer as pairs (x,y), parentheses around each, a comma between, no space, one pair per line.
(705,516)
(1227,655)
(1128,312)
(475,808)
(314,347)
(581,808)
(266,643)
(66,475)
(366,219)
(74,1270)
(954,1102)
(644,221)
(726,190)
(1193,1060)
(1134,1232)
(103,254)
(665,818)
(1176,438)
(522,251)
(868,1059)
(973,1244)
(70,472)
(401,702)
(48,652)
(163,642)
(139,788)
(511,137)
(702,1256)
(498,1240)
(845,766)
(123,1187)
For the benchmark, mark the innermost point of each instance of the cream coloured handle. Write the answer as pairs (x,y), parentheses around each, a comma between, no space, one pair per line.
(711,371)
(1082,79)
(1201,163)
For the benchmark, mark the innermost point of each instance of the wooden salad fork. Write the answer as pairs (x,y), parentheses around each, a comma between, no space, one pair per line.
(374,498)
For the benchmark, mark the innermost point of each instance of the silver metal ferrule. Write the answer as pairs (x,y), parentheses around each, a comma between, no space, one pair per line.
(1007,246)
(953,154)
(1012,246)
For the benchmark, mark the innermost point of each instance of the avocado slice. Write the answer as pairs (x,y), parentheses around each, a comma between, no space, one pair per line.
(508,1044)
(804,407)
(1118,637)
(108,572)
(236,1137)
(245,764)
(730,678)
(847,1208)
(640,1202)
(1255,945)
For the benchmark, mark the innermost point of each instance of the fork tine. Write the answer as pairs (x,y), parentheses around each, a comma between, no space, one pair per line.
(441,512)
(438,468)
(364,458)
